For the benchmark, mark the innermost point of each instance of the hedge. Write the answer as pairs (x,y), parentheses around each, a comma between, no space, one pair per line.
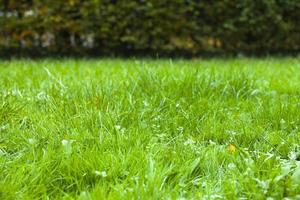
(149,27)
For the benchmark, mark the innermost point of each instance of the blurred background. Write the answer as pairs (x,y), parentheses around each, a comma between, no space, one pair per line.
(179,28)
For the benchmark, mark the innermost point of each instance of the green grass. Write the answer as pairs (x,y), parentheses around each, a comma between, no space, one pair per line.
(150,129)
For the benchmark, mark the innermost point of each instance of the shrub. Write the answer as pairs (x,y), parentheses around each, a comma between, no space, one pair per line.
(149,27)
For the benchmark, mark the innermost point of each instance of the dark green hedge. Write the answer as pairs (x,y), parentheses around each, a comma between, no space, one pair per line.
(149,27)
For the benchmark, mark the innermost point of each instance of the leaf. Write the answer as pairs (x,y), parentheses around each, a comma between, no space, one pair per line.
(296,175)
(232,148)
(67,146)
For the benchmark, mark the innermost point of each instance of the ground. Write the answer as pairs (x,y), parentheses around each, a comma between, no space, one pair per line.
(150,129)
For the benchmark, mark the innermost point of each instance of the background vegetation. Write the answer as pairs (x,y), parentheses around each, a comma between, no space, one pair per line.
(149,27)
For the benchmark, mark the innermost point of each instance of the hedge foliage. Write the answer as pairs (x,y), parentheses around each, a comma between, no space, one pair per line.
(149,27)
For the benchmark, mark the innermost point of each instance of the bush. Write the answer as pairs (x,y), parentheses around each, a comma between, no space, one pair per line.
(149,27)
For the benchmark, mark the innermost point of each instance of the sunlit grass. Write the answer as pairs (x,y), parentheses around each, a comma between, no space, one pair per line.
(150,129)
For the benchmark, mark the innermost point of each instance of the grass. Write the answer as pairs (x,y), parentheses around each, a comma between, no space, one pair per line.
(150,129)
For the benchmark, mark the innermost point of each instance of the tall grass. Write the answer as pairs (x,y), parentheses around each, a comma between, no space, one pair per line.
(150,129)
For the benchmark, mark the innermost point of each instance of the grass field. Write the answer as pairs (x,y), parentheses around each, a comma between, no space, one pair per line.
(150,129)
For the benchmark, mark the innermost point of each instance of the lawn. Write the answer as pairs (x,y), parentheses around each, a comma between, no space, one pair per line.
(150,129)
